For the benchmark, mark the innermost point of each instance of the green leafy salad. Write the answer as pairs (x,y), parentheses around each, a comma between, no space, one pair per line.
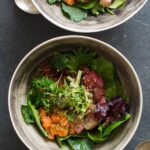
(78,10)
(76,99)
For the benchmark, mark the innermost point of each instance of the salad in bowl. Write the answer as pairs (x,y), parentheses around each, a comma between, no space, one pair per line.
(87,16)
(76,99)
(75,92)
(78,10)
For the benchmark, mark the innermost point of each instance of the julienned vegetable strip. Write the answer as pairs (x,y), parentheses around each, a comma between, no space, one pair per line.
(78,78)
(75,83)
(114,125)
(76,101)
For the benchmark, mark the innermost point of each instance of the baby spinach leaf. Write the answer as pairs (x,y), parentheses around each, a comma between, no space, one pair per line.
(51,1)
(110,11)
(75,14)
(27,115)
(101,134)
(110,90)
(116,4)
(120,90)
(97,9)
(80,144)
(60,140)
(116,124)
(115,88)
(104,67)
(96,136)
(88,5)
(36,118)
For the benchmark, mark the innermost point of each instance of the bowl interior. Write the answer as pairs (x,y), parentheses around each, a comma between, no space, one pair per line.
(20,83)
(92,24)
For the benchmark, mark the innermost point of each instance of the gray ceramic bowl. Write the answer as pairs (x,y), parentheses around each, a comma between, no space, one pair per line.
(91,24)
(20,82)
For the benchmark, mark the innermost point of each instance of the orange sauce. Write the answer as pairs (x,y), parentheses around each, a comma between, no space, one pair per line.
(56,124)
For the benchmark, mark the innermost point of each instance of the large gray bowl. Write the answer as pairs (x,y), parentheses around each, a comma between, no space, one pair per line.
(92,24)
(20,83)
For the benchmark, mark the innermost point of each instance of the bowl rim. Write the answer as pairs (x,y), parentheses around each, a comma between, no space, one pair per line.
(141,143)
(82,37)
(82,30)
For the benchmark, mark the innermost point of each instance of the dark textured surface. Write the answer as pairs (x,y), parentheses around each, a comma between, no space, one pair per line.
(20,32)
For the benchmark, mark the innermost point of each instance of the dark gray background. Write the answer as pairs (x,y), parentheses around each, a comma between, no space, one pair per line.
(20,32)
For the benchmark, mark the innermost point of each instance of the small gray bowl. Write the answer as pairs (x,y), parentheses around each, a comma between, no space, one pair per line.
(54,14)
(20,83)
